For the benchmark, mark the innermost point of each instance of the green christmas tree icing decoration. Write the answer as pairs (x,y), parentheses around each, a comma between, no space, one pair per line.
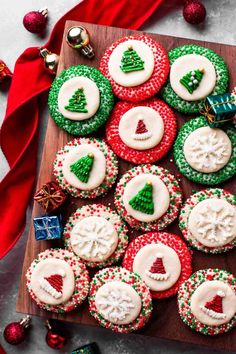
(143,201)
(131,61)
(192,80)
(83,167)
(77,103)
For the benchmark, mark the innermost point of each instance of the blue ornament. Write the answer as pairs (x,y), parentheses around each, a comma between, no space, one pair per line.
(47,227)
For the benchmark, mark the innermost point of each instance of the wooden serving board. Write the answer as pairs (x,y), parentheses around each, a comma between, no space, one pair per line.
(165,321)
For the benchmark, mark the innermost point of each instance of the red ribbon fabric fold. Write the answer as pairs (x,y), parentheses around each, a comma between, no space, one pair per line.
(18,134)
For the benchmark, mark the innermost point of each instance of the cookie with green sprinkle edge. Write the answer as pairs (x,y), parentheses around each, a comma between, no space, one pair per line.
(111,216)
(171,184)
(222,78)
(87,126)
(111,168)
(81,280)
(188,206)
(188,288)
(213,178)
(170,240)
(120,274)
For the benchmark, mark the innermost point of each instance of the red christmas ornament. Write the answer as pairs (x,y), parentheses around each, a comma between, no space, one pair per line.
(194,12)
(35,21)
(15,332)
(55,337)
(5,72)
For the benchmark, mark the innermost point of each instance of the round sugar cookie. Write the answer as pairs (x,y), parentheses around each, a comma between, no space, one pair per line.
(146,192)
(86,167)
(207,301)
(161,259)
(80,100)
(208,220)
(103,239)
(57,280)
(141,132)
(119,300)
(189,60)
(211,149)
(136,66)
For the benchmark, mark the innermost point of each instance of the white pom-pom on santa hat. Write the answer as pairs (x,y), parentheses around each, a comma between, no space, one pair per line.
(61,272)
(220,293)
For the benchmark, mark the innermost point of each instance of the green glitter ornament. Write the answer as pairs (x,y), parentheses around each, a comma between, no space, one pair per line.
(143,200)
(82,167)
(131,61)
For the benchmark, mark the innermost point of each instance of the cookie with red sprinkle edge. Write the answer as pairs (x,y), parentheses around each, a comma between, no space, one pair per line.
(208,220)
(148,197)
(162,260)
(97,235)
(57,280)
(136,66)
(86,167)
(141,132)
(207,301)
(119,300)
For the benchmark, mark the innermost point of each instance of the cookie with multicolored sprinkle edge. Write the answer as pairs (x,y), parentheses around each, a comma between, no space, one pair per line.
(97,235)
(162,260)
(148,197)
(207,301)
(208,220)
(86,167)
(136,66)
(196,72)
(206,155)
(119,300)
(57,280)
(141,132)
(80,100)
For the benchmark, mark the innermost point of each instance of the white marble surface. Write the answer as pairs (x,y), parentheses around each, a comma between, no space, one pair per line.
(219,27)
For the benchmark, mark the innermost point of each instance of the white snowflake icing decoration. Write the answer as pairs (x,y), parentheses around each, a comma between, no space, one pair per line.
(215,223)
(94,237)
(209,150)
(115,305)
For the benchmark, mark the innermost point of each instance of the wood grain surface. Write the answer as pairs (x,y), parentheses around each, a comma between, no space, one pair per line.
(165,321)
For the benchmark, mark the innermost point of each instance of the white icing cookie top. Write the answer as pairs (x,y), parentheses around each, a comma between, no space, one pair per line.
(160,196)
(213,303)
(133,78)
(213,222)
(207,149)
(94,238)
(90,91)
(141,128)
(52,281)
(158,265)
(97,173)
(118,302)
(187,63)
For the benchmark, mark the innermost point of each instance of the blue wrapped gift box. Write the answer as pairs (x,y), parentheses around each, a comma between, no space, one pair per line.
(47,227)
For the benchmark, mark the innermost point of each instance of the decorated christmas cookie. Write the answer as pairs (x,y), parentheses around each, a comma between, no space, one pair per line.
(148,197)
(57,280)
(141,132)
(86,167)
(97,235)
(208,220)
(136,66)
(119,300)
(80,100)
(196,72)
(206,155)
(161,259)
(207,301)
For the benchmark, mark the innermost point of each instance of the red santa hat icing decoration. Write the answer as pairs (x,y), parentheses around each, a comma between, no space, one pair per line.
(141,132)
(157,270)
(53,284)
(214,307)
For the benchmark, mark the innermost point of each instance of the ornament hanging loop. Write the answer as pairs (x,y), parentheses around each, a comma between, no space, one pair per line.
(78,38)
(50,60)
(25,322)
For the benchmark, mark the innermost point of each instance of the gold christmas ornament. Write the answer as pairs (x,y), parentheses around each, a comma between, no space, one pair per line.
(50,60)
(78,38)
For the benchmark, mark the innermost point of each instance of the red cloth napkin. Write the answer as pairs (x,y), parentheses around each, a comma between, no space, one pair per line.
(18,134)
